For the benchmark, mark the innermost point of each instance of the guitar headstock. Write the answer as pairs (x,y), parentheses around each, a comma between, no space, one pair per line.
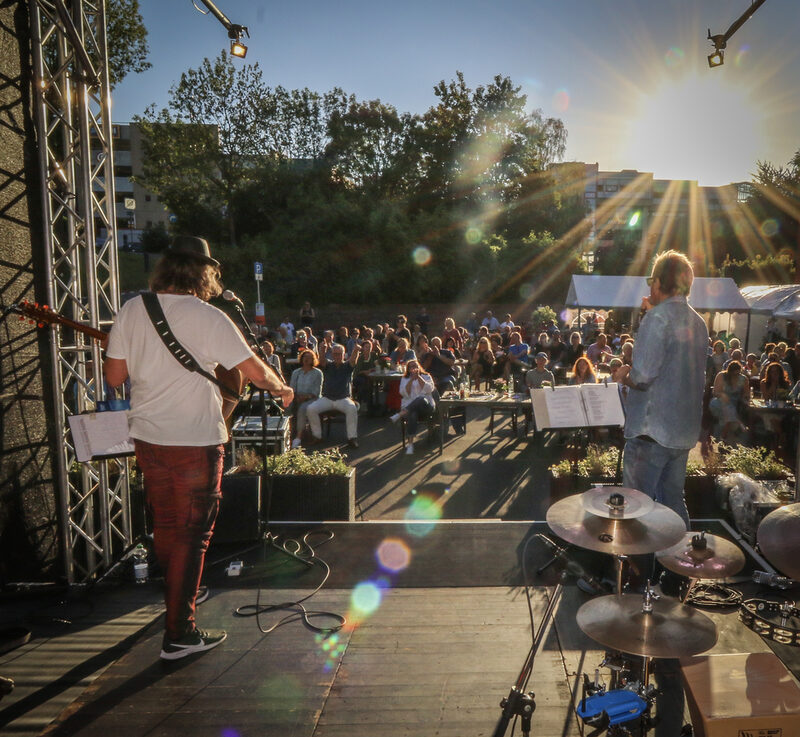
(36,314)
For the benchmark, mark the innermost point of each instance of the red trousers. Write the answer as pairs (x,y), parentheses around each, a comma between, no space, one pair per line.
(182,487)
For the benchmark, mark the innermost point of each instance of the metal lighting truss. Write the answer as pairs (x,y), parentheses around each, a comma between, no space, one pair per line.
(74,135)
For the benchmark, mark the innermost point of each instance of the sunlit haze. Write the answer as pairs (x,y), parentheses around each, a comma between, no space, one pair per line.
(628,78)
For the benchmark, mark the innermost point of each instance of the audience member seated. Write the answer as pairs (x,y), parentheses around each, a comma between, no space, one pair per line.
(272,358)
(731,396)
(364,364)
(600,351)
(402,353)
(307,384)
(539,374)
(751,366)
(500,356)
(583,372)
(440,363)
(575,349)
(490,322)
(451,345)
(300,344)
(517,363)
(416,390)
(775,384)
(471,324)
(542,344)
(336,391)
(557,349)
(482,362)
(311,338)
(451,331)
(626,352)
(401,329)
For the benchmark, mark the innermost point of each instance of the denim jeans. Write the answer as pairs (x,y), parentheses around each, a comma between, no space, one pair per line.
(418,409)
(182,487)
(656,471)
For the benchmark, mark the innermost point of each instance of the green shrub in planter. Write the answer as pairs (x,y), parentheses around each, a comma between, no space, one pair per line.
(310,487)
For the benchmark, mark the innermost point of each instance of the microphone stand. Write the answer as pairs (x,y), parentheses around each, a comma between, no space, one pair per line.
(266,401)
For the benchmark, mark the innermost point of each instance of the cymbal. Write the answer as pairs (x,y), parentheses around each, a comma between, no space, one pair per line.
(703,556)
(671,630)
(656,530)
(778,537)
(616,502)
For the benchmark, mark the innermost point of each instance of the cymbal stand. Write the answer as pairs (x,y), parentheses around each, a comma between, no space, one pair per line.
(518,703)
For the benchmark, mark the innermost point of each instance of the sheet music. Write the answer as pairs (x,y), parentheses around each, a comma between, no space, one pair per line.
(585,405)
(100,434)
(559,407)
(602,404)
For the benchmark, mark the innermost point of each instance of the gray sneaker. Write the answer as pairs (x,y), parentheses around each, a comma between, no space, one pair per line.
(195,642)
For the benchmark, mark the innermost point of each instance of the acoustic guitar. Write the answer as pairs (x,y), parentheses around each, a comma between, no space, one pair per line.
(233,379)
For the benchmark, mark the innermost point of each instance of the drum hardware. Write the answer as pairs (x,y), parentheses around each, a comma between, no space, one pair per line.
(773,580)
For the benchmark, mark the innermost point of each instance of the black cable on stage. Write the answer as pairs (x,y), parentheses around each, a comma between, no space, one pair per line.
(296,549)
(713,595)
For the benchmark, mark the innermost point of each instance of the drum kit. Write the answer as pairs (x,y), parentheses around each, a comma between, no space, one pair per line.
(623,522)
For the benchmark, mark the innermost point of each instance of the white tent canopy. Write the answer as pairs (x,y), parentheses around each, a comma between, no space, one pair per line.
(778,300)
(625,292)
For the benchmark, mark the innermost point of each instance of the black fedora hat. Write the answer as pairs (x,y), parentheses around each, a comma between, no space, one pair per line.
(191,245)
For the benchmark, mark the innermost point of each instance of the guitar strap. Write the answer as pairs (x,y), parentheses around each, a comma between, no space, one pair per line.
(184,358)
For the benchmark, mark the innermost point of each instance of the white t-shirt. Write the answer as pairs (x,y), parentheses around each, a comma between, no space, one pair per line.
(169,404)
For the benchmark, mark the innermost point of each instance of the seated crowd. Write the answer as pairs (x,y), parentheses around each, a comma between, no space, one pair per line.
(333,373)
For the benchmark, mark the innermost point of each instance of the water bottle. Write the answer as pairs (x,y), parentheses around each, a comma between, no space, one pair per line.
(140,570)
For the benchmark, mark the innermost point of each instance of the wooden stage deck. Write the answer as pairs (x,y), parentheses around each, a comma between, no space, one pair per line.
(436,648)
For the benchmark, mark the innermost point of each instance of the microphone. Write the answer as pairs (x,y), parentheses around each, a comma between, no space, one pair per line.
(231,297)
(773,580)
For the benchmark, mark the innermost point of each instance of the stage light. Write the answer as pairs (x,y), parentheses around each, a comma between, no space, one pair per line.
(238,49)
(717,59)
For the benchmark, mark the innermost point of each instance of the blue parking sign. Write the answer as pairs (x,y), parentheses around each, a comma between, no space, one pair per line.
(259,270)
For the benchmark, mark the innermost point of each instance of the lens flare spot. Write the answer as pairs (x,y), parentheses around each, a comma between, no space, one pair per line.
(393,555)
(561,100)
(413,492)
(451,465)
(674,56)
(473,235)
(525,290)
(564,316)
(769,227)
(634,219)
(421,255)
(229,732)
(743,56)
(424,512)
(284,688)
(366,598)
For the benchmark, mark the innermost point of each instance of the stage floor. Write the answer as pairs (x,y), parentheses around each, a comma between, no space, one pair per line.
(439,628)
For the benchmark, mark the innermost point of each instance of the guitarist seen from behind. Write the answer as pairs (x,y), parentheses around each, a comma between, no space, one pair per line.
(177,423)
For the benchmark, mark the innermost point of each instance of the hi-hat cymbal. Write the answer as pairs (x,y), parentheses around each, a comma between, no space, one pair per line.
(616,502)
(703,556)
(671,630)
(778,538)
(658,529)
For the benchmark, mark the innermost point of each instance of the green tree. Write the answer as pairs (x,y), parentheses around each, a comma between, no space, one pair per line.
(127,40)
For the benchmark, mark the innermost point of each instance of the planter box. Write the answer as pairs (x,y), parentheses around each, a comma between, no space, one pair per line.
(700,493)
(561,486)
(310,498)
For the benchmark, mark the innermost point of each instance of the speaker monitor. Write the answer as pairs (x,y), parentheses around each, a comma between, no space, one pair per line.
(239,518)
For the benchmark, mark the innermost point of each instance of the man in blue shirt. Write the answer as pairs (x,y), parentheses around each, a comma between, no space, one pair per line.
(337,387)
(665,386)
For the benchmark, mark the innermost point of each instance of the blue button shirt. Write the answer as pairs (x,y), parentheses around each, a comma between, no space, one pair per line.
(669,360)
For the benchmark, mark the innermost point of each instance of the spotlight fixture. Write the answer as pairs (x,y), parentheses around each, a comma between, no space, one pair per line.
(238,49)
(235,31)
(717,59)
(720,40)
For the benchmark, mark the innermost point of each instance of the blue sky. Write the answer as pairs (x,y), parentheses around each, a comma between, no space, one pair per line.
(629,78)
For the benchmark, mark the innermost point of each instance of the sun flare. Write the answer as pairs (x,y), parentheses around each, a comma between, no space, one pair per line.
(698,127)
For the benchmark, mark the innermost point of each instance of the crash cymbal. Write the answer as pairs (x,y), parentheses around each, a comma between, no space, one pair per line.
(616,502)
(658,529)
(778,538)
(703,556)
(671,630)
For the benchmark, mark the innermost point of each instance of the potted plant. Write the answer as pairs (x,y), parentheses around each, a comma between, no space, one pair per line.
(311,487)
(598,465)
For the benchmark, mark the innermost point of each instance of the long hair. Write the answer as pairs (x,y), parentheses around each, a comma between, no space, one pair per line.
(775,368)
(183,274)
(590,374)
(419,365)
